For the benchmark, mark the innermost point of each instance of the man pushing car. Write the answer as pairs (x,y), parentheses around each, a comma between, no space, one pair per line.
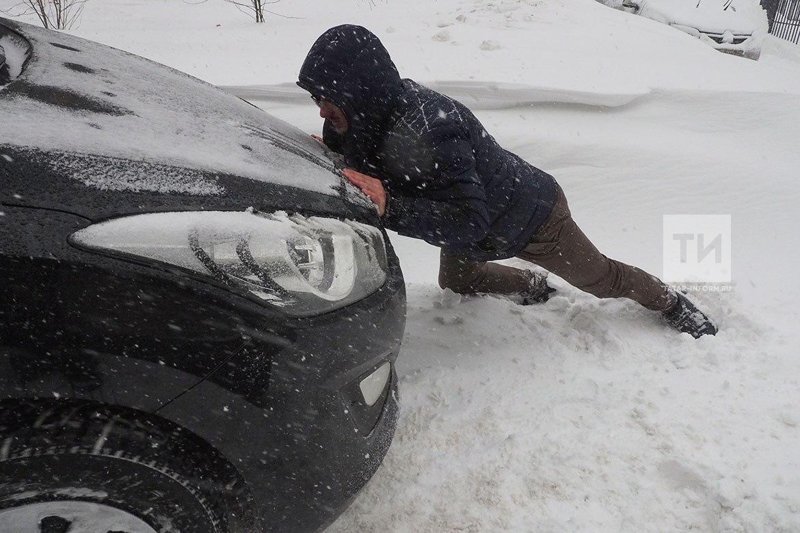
(436,174)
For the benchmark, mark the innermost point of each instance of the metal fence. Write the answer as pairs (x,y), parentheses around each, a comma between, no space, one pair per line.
(784,19)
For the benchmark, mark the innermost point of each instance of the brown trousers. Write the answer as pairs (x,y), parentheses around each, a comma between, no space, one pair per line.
(561,248)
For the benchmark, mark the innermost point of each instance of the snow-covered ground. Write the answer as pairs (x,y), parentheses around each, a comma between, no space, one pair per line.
(578,415)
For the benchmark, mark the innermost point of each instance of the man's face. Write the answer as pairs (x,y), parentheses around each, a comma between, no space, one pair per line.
(334,114)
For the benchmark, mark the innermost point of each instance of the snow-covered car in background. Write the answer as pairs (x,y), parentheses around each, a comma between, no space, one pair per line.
(198,317)
(733,26)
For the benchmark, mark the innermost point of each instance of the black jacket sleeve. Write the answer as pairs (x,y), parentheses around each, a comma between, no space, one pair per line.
(442,199)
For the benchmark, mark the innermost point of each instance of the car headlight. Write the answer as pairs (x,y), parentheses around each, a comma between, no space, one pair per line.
(307,266)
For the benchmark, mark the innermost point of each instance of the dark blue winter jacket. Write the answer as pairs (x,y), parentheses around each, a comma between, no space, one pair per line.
(448,180)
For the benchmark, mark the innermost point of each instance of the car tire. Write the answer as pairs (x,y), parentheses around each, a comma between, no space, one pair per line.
(93,468)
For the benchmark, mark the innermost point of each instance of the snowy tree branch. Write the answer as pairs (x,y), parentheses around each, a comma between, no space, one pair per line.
(254,8)
(56,14)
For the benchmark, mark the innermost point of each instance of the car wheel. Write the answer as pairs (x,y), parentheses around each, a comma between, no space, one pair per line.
(82,468)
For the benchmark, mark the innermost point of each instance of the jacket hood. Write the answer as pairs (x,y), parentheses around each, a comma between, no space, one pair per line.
(349,66)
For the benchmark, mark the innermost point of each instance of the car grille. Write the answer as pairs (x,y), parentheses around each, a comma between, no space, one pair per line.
(717,38)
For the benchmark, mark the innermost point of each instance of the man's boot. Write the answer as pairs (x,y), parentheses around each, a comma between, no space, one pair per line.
(687,318)
(538,291)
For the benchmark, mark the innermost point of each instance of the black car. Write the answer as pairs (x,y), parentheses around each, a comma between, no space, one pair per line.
(198,318)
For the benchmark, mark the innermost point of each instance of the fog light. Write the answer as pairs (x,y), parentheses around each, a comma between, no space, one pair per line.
(372,386)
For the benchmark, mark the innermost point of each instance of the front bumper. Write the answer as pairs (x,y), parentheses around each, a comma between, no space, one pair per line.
(288,412)
(277,396)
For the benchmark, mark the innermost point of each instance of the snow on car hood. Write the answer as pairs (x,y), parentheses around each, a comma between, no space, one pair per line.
(79,97)
(740,17)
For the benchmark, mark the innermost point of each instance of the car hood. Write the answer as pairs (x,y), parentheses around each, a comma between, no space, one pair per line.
(99,132)
(740,17)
